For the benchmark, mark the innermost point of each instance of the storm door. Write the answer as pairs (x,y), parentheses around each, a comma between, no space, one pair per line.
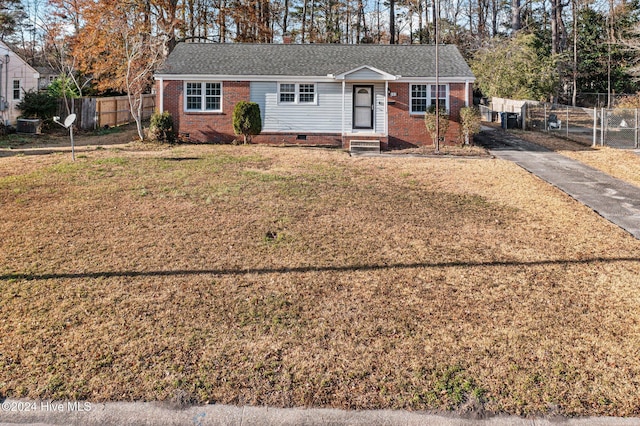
(363,107)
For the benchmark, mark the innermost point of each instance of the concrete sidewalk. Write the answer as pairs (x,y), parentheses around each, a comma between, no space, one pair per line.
(153,413)
(613,199)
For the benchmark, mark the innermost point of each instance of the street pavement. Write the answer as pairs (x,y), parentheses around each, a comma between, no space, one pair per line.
(156,413)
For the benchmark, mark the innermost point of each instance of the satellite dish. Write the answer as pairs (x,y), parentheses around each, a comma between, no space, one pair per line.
(71,118)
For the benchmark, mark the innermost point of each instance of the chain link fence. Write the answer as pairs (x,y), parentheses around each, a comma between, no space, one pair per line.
(620,128)
(616,128)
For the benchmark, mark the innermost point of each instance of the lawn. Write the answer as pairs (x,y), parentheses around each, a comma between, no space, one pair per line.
(303,277)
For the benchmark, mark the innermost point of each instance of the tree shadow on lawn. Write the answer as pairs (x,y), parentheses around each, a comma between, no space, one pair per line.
(306,269)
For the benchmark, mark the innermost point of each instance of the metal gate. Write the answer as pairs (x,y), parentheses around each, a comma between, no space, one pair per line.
(620,128)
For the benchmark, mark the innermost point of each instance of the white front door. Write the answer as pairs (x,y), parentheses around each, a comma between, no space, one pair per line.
(363,107)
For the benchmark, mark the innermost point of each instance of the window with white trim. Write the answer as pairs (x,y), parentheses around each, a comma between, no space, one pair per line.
(297,93)
(287,93)
(16,89)
(203,96)
(440,94)
(424,96)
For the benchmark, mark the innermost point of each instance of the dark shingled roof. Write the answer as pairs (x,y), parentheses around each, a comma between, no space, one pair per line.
(312,59)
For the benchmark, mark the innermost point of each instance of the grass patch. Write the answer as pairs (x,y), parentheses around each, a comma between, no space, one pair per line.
(256,275)
(14,140)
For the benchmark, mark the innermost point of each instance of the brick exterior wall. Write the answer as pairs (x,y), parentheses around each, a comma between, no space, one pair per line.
(405,130)
(216,127)
(315,139)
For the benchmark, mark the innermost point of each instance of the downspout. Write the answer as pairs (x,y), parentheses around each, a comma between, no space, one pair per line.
(5,105)
(6,83)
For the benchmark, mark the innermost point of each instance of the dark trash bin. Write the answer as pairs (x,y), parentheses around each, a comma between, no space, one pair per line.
(509,120)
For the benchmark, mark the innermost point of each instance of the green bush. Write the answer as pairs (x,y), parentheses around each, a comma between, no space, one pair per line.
(246,120)
(161,128)
(38,105)
(63,87)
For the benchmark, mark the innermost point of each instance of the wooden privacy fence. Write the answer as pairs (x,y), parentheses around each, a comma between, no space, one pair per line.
(112,111)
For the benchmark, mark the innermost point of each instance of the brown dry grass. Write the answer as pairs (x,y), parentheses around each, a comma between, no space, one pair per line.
(621,163)
(301,277)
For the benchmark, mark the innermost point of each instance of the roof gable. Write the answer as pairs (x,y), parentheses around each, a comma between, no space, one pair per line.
(313,60)
(5,49)
(366,73)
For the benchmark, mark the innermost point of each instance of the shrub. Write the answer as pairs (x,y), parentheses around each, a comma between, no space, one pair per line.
(38,105)
(430,123)
(469,123)
(161,128)
(246,120)
(629,102)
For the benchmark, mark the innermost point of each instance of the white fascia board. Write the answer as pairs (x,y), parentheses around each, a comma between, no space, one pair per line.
(443,80)
(383,74)
(275,78)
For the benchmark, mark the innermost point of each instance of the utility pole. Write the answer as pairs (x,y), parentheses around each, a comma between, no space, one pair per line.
(437,39)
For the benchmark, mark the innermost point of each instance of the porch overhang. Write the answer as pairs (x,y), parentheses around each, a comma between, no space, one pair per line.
(364,73)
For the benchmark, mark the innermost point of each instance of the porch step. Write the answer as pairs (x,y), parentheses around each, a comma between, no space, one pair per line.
(357,146)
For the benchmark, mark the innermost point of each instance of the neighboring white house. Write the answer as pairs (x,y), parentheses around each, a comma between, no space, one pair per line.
(47,75)
(16,78)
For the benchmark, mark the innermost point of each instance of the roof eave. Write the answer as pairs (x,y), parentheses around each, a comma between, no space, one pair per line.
(314,79)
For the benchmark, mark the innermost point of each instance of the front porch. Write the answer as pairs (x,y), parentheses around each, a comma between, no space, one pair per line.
(364,105)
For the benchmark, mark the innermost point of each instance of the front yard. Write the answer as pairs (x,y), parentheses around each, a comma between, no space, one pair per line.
(303,277)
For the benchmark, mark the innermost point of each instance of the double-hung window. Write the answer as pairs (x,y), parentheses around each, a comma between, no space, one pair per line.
(297,93)
(287,93)
(439,93)
(203,96)
(16,89)
(424,96)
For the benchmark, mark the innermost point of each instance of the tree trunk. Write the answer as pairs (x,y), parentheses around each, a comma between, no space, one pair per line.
(304,20)
(392,21)
(515,16)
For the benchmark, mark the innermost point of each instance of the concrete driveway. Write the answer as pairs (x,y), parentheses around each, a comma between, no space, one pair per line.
(613,199)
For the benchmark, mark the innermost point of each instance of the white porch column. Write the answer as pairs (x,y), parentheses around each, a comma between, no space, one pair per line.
(343,108)
(386,108)
(161,94)
(466,93)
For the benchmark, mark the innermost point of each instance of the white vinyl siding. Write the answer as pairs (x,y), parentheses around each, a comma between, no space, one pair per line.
(325,116)
(321,116)
(202,96)
(423,96)
(365,75)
